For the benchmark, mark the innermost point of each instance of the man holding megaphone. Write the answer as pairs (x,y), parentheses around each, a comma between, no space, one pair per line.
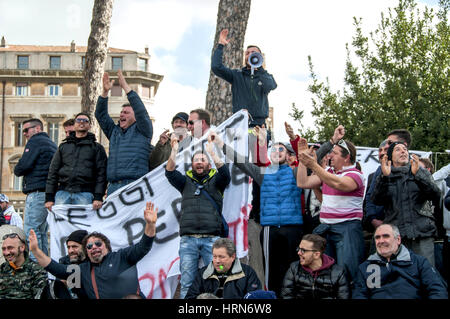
(249,85)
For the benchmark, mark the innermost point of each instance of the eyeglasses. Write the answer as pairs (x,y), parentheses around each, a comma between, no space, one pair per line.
(25,130)
(97,243)
(81,120)
(303,250)
(342,144)
(198,190)
(13,235)
(278,149)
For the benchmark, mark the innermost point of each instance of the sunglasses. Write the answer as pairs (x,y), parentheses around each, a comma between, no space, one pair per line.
(81,120)
(97,243)
(303,250)
(192,122)
(278,149)
(342,144)
(13,235)
(25,130)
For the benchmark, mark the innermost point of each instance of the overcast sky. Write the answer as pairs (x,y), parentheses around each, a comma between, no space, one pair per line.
(180,35)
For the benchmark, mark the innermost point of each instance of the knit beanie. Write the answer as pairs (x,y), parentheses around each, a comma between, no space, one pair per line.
(77,236)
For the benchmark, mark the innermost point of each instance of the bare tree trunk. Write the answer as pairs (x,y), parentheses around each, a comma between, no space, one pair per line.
(96,54)
(232,15)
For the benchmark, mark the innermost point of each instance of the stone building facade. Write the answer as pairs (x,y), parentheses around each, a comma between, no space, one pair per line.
(45,82)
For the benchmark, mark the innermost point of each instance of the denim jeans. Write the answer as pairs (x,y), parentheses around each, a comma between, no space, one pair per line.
(345,243)
(113,186)
(81,198)
(36,219)
(191,249)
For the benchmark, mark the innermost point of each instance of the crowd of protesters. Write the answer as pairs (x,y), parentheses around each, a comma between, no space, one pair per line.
(321,230)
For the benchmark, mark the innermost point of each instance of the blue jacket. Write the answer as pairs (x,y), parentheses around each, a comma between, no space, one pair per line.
(406,276)
(280,198)
(129,149)
(35,162)
(249,92)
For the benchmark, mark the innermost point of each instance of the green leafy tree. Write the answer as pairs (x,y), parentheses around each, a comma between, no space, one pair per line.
(400,79)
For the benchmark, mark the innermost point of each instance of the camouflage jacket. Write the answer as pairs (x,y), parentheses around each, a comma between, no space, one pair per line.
(23,283)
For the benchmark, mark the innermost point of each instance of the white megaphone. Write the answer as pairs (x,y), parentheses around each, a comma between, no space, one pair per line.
(255,60)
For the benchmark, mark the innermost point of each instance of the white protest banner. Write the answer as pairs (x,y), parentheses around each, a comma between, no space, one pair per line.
(121,216)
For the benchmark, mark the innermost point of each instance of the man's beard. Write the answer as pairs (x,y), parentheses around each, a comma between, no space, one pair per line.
(97,259)
(76,259)
(16,255)
(201,175)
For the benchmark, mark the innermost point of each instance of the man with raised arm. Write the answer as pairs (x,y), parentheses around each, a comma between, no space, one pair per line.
(202,191)
(281,208)
(342,201)
(100,275)
(249,91)
(129,140)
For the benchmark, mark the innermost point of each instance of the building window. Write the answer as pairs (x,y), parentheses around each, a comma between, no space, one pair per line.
(146,91)
(17,183)
(142,64)
(53,90)
(117,63)
(55,62)
(83,62)
(21,89)
(53,131)
(116,90)
(19,138)
(22,62)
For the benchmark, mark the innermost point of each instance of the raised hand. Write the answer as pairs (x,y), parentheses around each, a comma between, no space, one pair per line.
(213,137)
(123,83)
(32,239)
(339,133)
(289,131)
(150,213)
(210,149)
(261,134)
(223,37)
(174,143)
(107,84)
(302,145)
(385,166)
(414,164)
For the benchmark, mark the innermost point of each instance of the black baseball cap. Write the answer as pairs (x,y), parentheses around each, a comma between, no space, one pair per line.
(181,115)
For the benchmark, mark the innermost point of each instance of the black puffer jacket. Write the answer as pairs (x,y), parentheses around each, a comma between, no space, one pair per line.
(403,196)
(198,213)
(328,282)
(79,165)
